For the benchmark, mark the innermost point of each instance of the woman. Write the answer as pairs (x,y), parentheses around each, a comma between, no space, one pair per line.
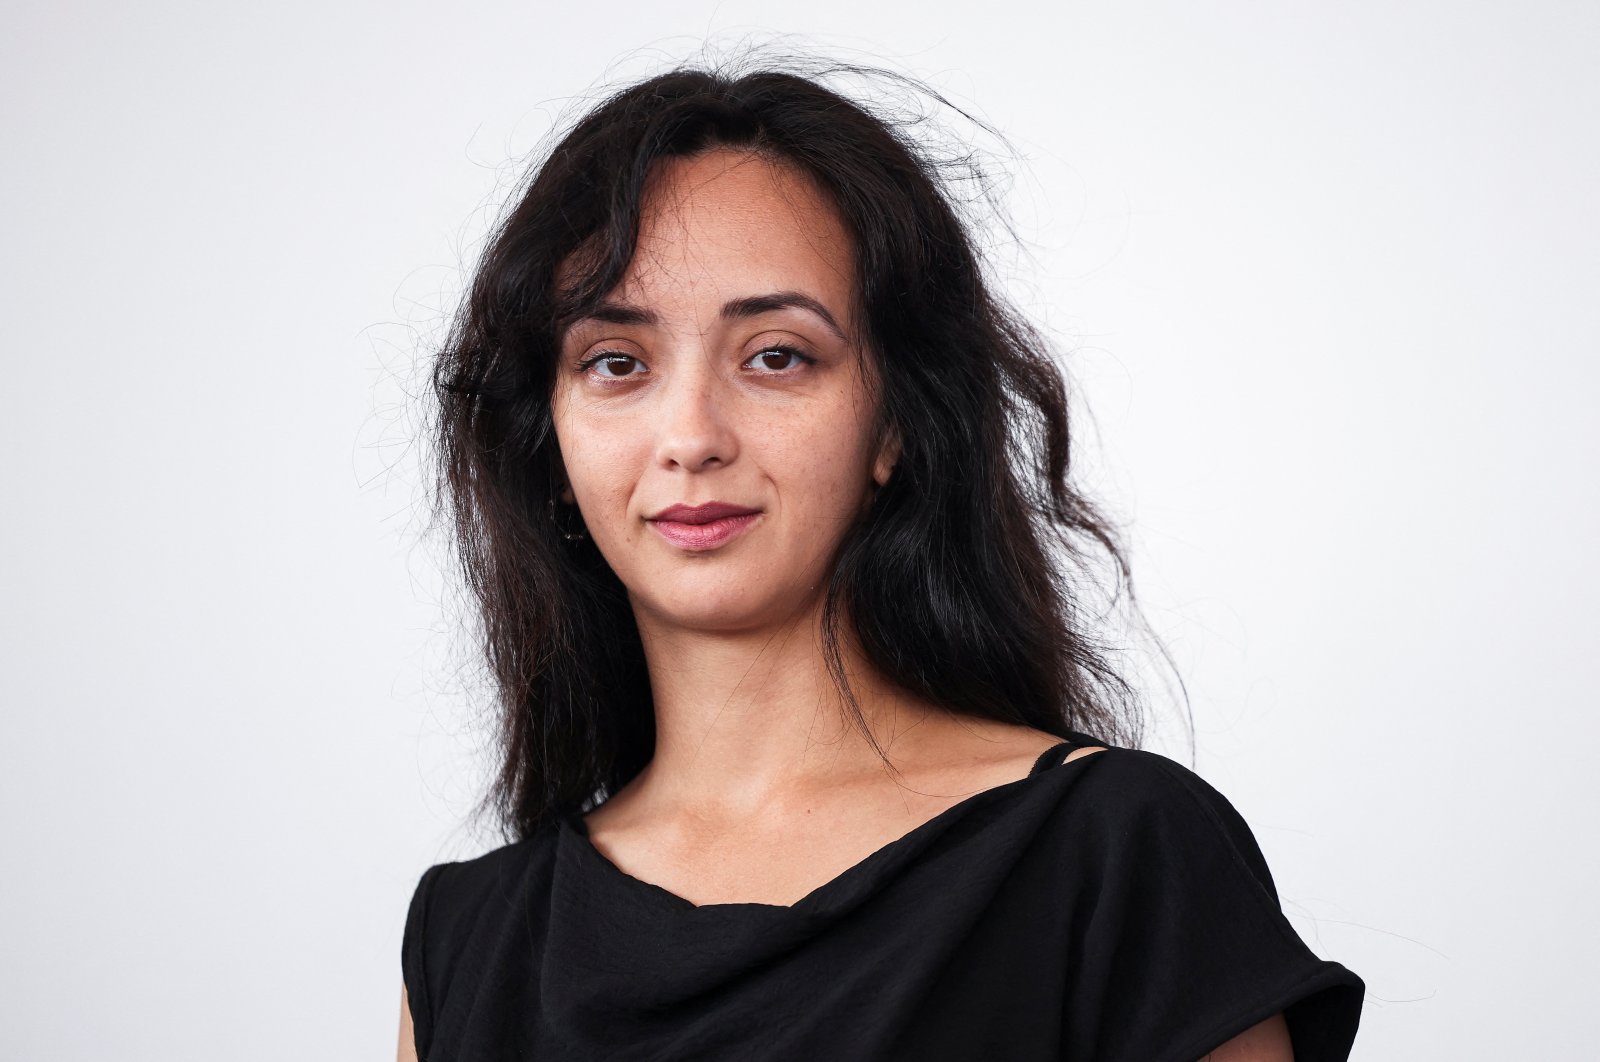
(806,752)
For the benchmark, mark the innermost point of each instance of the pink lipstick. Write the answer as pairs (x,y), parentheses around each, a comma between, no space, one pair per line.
(703,527)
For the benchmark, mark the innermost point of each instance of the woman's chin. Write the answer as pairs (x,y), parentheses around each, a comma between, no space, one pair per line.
(720,605)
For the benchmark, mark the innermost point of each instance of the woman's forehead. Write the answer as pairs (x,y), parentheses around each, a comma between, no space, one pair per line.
(729,225)
(738,208)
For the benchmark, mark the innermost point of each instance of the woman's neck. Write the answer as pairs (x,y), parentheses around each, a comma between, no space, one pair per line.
(745,719)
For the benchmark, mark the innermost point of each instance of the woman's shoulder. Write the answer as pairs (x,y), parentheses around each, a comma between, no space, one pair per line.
(1123,765)
(1140,781)
(1180,890)
(458,910)
(449,889)
(1125,783)
(1130,800)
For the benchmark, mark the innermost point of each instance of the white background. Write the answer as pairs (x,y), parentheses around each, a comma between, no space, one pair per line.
(1327,276)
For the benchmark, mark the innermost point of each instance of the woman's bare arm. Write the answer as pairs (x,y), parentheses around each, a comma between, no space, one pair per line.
(407,1051)
(1266,1041)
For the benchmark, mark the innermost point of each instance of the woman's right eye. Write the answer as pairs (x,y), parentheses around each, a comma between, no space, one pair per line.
(610,359)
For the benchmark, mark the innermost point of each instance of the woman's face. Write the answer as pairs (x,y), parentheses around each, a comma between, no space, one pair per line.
(723,368)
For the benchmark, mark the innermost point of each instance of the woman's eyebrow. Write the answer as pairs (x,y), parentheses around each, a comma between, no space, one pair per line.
(755,305)
(622,313)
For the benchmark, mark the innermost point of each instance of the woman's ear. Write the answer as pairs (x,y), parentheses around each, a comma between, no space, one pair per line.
(563,484)
(888,457)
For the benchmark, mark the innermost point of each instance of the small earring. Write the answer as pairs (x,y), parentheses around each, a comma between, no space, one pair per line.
(568,535)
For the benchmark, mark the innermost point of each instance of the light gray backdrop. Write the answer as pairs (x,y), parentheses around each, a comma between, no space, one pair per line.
(1326,273)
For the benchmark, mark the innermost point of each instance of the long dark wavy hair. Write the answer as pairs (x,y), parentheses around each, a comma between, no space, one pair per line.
(964,581)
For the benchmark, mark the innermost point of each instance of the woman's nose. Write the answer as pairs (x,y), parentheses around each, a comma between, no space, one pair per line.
(693,423)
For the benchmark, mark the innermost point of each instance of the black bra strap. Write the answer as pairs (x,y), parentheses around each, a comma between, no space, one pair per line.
(1056,754)
(1051,756)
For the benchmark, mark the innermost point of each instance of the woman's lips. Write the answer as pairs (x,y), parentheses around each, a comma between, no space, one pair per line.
(704,536)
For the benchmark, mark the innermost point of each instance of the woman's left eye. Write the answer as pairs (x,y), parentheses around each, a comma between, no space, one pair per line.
(779,354)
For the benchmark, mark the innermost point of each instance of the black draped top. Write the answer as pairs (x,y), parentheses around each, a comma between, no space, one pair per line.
(1112,909)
